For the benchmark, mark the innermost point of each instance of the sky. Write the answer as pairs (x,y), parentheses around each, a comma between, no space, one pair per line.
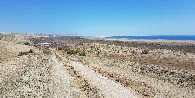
(98,17)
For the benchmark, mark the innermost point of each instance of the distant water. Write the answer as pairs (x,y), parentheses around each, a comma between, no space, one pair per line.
(164,37)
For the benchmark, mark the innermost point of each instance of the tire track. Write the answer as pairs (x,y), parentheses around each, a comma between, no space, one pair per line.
(63,84)
(107,87)
(88,89)
(84,86)
(141,88)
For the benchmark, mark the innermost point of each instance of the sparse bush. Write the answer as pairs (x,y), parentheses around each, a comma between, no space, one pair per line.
(82,54)
(146,51)
(71,52)
(23,53)
(59,48)
(92,47)
(66,49)
(47,51)
(98,52)
(77,50)
(118,41)
(26,43)
(31,51)
(26,53)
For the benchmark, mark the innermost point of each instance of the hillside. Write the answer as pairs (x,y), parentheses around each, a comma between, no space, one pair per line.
(47,67)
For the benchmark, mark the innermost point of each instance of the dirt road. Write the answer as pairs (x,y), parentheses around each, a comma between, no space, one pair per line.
(63,84)
(26,71)
(105,87)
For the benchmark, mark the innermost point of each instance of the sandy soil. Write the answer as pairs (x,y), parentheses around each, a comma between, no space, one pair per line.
(30,79)
(33,75)
(63,84)
(39,76)
(106,71)
(106,87)
(176,42)
(145,80)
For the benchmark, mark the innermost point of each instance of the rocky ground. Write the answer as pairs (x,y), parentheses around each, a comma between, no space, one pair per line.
(79,68)
(33,74)
(144,79)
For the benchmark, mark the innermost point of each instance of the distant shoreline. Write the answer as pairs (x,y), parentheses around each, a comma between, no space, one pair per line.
(158,37)
(149,39)
(162,42)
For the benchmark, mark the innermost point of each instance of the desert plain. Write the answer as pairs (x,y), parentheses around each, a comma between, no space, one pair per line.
(76,67)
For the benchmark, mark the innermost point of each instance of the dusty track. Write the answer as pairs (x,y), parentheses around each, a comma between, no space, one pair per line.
(106,88)
(56,74)
(63,83)
(146,80)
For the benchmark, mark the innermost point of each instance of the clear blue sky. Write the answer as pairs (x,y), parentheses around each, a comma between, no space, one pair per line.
(98,17)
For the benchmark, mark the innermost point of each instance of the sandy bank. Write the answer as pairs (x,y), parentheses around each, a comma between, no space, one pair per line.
(167,42)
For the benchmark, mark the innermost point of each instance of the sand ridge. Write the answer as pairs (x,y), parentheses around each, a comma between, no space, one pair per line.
(176,42)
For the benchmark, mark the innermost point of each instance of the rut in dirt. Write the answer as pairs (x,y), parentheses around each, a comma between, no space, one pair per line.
(106,87)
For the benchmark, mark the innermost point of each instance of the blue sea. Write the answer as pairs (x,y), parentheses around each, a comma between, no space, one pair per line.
(159,37)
